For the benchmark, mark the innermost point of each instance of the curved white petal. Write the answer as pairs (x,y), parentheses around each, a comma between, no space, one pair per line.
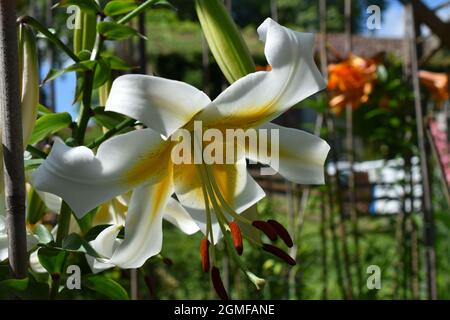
(3,246)
(105,244)
(179,217)
(52,202)
(143,225)
(237,187)
(301,155)
(35,264)
(162,104)
(262,96)
(85,180)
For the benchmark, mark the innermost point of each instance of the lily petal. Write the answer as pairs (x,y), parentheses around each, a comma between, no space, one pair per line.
(237,187)
(85,180)
(179,217)
(105,244)
(30,238)
(143,225)
(262,96)
(301,155)
(162,104)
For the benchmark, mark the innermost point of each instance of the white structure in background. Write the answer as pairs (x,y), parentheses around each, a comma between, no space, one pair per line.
(381,183)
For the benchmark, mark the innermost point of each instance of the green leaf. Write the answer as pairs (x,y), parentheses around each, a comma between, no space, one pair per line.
(102,73)
(107,119)
(42,110)
(89,6)
(107,287)
(31,164)
(36,207)
(49,124)
(22,288)
(76,67)
(116,63)
(74,242)
(115,31)
(52,259)
(43,234)
(117,7)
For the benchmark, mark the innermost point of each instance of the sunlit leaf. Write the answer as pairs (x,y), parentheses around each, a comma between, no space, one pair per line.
(49,124)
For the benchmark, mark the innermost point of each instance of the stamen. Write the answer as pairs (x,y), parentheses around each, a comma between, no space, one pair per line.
(279,253)
(282,232)
(265,227)
(218,284)
(257,281)
(204,254)
(237,237)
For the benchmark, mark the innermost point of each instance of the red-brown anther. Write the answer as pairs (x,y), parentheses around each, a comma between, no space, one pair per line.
(279,253)
(266,228)
(218,284)
(204,254)
(282,232)
(237,237)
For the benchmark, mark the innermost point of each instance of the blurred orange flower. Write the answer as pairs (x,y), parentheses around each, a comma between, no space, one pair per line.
(437,83)
(350,81)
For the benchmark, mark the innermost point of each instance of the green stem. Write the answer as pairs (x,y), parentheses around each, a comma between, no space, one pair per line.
(136,11)
(50,36)
(121,126)
(85,108)
(63,223)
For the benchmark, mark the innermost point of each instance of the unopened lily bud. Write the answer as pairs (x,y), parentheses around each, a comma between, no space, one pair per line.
(84,32)
(236,236)
(224,39)
(257,281)
(29,80)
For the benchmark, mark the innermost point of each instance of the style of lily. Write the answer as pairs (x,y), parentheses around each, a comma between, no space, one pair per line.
(350,82)
(214,195)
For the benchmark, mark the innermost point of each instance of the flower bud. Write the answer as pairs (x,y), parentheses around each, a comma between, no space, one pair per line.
(257,281)
(84,32)
(224,39)
(29,80)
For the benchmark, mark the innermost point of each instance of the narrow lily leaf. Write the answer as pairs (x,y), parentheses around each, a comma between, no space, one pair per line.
(74,242)
(52,259)
(32,164)
(43,234)
(116,63)
(42,110)
(36,207)
(102,73)
(89,6)
(26,289)
(49,124)
(107,287)
(115,31)
(76,67)
(117,7)
(107,119)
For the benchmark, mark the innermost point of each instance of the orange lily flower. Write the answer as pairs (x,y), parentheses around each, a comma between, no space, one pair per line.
(437,83)
(350,82)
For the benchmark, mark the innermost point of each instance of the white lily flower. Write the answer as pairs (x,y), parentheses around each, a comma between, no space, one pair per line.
(141,159)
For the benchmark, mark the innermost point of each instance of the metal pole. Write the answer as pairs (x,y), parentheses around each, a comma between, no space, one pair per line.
(11,126)
(429,234)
